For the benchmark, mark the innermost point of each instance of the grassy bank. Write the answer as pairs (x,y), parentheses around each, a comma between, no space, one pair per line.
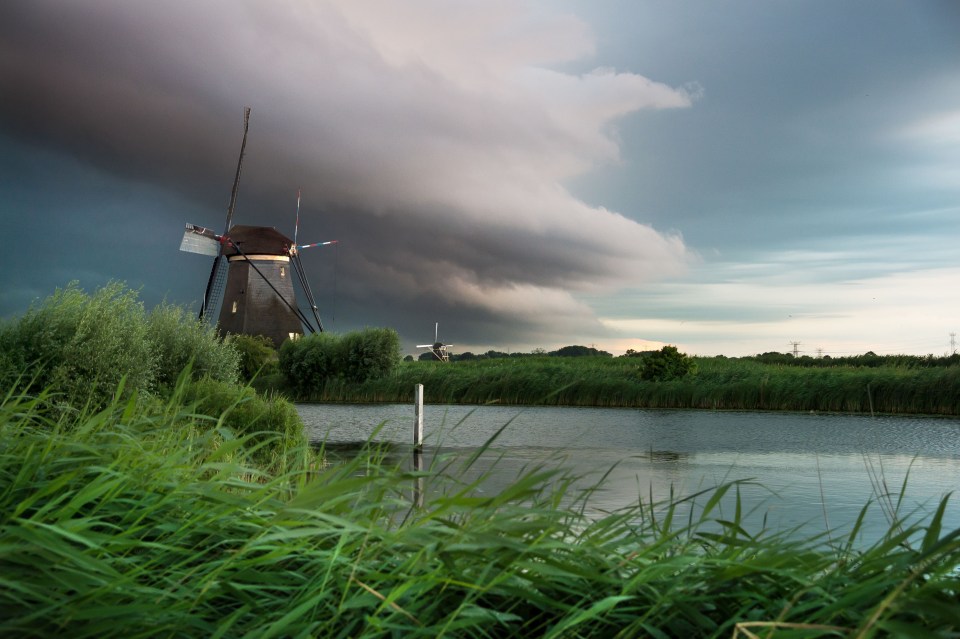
(151,520)
(718,383)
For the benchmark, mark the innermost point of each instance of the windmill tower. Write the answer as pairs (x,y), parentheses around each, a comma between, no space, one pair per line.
(253,271)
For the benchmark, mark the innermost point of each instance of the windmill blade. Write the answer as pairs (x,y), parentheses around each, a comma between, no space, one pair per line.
(305,285)
(236,180)
(303,246)
(197,239)
(211,296)
(296,225)
(424,345)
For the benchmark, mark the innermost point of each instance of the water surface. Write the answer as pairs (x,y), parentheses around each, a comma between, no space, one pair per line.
(811,470)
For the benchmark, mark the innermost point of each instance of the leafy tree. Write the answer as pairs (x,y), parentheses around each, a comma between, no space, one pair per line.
(632,353)
(369,354)
(666,364)
(307,363)
(579,351)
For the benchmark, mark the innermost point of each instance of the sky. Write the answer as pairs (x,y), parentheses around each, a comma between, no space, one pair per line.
(731,178)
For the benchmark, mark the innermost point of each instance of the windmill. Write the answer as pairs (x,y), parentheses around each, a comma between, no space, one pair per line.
(252,274)
(438,348)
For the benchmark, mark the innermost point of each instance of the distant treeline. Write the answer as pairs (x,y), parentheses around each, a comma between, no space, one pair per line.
(566,351)
(868,360)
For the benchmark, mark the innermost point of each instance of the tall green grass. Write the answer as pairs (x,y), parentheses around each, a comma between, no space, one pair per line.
(719,383)
(151,520)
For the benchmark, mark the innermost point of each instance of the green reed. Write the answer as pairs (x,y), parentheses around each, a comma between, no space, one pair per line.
(719,383)
(149,520)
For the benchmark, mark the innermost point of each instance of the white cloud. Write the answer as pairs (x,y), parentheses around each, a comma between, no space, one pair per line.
(909,312)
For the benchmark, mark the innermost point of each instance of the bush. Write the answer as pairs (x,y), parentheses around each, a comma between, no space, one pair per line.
(309,362)
(271,422)
(258,357)
(79,346)
(179,338)
(370,354)
(666,364)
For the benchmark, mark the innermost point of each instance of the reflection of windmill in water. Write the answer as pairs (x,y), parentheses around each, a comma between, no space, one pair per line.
(438,348)
(252,274)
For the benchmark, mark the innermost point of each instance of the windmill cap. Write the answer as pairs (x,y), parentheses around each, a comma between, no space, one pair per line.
(260,240)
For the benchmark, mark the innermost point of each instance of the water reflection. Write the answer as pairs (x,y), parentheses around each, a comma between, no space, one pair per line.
(803,470)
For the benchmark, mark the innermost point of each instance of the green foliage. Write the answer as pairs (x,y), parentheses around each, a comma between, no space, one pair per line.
(310,362)
(78,347)
(665,365)
(179,338)
(370,354)
(131,523)
(257,355)
(578,351)
(867,360)
(719,383)
(261,420)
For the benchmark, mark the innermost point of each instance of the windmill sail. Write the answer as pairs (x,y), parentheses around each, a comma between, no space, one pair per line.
(214,291)
(197,239)
(212,296)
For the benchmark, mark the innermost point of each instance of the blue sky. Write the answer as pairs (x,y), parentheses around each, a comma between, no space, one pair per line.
(727,177)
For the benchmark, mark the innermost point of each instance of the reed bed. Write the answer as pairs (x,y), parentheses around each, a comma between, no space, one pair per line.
(719,383)
(145,520)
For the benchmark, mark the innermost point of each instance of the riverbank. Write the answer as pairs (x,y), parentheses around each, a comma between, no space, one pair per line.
(717,383)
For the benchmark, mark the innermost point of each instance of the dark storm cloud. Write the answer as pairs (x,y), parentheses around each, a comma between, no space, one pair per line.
(431,141)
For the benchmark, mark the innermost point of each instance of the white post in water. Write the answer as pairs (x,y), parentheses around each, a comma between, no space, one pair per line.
(418,416)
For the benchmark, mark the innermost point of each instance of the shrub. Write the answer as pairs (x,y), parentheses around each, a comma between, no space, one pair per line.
(359,356)
(80,346)
(666,364)
(258,357)
(271,422)
(370,354)
(179,338)
(309,361)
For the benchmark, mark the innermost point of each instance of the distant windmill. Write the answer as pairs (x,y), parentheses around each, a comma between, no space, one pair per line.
(255,262)
(438,348)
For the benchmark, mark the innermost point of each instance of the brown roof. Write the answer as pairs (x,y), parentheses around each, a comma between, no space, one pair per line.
(257,240)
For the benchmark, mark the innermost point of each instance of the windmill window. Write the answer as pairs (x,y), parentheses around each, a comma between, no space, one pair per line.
(234,306)
(283,272)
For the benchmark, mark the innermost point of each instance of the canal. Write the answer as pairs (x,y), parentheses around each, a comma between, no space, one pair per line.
(813,471)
